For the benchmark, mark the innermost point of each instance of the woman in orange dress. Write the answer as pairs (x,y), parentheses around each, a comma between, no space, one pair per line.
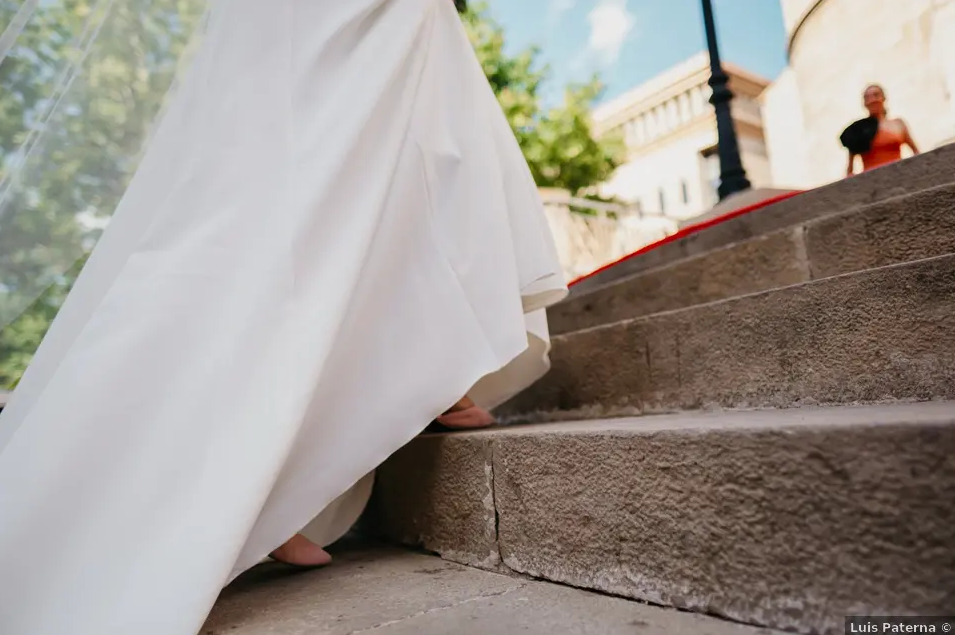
(891,135)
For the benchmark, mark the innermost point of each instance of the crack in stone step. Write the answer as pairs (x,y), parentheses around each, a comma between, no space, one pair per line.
(437,609)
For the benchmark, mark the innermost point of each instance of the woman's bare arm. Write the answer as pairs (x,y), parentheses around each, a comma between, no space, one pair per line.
(908,138)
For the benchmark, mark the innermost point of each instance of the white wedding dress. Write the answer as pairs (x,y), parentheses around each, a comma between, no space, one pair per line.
(332,237)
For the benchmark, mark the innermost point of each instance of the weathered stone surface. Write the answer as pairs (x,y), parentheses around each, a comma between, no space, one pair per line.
(766,262)
(391,592)
(897,230)
(882,334)
(792,527)
(785,518)
(426,495)
(364,589)
(924,171)
(900,229)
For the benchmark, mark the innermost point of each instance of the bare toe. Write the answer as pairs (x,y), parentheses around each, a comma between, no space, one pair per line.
(473,417)
(301,552)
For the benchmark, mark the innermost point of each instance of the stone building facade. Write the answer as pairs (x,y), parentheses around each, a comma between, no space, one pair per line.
(672,169)
(836,48)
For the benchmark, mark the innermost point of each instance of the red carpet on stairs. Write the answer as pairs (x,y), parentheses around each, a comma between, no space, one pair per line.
(690,229)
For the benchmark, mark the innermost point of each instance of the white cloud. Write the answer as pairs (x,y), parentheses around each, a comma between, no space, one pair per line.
(611,22)
(557,8)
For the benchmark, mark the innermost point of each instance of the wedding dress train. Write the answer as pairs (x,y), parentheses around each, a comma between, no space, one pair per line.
(332,237)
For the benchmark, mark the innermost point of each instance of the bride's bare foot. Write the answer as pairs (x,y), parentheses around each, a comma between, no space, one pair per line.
(299,551)
(466,415)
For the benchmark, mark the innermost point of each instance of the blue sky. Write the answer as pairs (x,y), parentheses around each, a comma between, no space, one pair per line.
(630,41)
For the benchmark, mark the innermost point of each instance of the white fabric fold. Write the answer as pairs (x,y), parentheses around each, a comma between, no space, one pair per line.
(332,237)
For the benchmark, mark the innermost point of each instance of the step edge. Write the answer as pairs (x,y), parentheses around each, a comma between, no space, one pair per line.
(898,414)
(826,190)
(803,225)
(738,298)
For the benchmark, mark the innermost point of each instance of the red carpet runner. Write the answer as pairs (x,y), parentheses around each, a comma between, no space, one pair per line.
(690,229)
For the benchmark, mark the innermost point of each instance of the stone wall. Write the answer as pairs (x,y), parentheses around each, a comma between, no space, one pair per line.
(785,133)
(586,242)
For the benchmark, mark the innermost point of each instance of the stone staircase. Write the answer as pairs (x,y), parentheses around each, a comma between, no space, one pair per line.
(922,172)
(385,591)
(754,422)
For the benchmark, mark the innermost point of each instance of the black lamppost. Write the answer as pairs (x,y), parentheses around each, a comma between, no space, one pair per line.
(732,175)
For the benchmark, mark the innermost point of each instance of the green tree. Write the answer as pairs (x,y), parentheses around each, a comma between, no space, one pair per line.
(558,142)
(80,168)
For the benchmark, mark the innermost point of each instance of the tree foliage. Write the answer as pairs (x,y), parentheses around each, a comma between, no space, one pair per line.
(84,161)
(93,137)
(558,142)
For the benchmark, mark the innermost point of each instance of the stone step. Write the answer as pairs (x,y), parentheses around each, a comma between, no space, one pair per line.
(386,591)
(881,334)
(928,170)
(900,229)
(789,519)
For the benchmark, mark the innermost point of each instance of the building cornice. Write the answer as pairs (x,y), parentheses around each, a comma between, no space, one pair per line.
(695,71)
(742,84)
(702,123)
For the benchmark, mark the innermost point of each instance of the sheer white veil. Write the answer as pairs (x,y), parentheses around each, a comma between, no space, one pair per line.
(81,84)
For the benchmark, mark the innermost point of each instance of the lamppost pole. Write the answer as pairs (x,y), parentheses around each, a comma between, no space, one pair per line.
(732,175)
